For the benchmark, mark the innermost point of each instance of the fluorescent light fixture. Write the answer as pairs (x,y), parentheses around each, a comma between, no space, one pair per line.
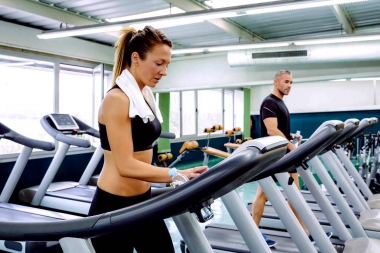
(230,47)
(338,40)
(247,46)
(150,14)
(228,3)
(338,80)
(299,5)
(188,51)
(365,79)
(74,32)
(13,64)
(180,21)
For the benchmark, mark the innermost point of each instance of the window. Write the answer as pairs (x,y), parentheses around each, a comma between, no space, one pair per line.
(76,93)
(27,94)
(239,109)
(210,109)
(188,113)
(175,116)
(228,109)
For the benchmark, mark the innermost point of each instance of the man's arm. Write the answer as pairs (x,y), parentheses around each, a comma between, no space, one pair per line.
(272,130)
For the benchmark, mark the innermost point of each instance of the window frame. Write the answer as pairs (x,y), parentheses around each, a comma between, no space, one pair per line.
(55,61)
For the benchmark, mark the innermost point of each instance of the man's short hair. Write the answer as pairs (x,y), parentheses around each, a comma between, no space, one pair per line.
(279,73)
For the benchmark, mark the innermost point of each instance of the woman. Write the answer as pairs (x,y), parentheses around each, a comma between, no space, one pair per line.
(129,122)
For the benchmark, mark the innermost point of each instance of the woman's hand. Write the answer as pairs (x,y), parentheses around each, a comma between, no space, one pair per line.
(193,172)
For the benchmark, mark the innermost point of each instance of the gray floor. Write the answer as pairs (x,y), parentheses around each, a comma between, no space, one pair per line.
(246,192)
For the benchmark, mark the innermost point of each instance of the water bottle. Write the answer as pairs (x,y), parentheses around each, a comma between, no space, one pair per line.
(296,138)
(179,179)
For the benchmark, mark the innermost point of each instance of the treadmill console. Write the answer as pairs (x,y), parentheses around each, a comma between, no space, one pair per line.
(64,122)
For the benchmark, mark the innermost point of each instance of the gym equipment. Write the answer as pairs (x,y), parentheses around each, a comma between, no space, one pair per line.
(242,166)
(73,197)
(229,239)
(18,213)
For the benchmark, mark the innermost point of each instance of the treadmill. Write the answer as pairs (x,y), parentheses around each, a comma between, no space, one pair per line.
(72,197)
(230,238)
(363,126)
(350,220)
(18,213)
(194,196)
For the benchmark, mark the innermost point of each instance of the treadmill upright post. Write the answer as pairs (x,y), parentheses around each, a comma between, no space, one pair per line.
(244,222)
(353,172)
(325,205)
(306,214)
(342,204)
(91,166)
(192,234)
(16,172)
(76,245)
(286,215)
(337,174)
(349,180)
(50,174)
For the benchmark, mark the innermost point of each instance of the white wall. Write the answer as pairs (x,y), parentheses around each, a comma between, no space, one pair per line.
(18,36)
(323,96)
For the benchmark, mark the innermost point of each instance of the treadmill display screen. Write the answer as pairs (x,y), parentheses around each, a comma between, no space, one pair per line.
(64,122)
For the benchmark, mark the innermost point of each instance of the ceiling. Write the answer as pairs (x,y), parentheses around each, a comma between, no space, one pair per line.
(362,17)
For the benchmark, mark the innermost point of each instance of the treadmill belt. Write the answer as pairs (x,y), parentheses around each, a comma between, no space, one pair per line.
(310,199)
(75,193)
(19,216)
(270,213)
(228,238)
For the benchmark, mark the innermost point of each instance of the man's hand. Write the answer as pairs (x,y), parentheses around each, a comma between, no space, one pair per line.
(293,136)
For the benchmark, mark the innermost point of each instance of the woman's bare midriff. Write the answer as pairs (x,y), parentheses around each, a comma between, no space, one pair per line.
(111,181)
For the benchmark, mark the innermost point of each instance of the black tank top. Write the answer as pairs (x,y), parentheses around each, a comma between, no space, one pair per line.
(143,134)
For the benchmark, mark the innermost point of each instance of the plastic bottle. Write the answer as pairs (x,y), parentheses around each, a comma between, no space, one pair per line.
(179,179)
(296,138)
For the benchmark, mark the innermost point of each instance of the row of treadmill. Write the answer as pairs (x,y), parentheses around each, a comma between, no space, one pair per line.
(54,217)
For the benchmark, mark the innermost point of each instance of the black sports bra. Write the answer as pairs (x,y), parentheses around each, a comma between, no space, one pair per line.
(143,134)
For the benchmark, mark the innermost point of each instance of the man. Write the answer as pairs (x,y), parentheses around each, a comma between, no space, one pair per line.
(275,121)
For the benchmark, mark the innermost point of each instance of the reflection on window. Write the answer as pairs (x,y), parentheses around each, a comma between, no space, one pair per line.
(175,117)
(239,108)
(210,109)
(188,112)
(26,95)
(76,95)
(228,109)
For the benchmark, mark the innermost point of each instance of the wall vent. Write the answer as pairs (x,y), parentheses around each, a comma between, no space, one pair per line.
(298,53)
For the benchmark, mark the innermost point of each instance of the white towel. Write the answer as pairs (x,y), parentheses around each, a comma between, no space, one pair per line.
(138,106)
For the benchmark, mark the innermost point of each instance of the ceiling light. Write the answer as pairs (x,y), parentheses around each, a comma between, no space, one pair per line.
(230,47)
(168,11)
(351,38)
(228,3)
(188,51)
(299,5)
(12,64)
(165,24)
(365,79)
(248,46)
(75,32)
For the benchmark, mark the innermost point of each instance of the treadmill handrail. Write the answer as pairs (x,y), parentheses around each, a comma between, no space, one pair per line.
(364,124)
(350,126)
(219,180)
(11,135)
(167,135)
(59,136)
(309,149)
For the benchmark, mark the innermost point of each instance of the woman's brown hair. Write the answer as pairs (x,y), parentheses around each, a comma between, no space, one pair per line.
(141,41)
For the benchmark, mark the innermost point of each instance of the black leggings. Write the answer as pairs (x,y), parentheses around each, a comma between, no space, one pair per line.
(152,236)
